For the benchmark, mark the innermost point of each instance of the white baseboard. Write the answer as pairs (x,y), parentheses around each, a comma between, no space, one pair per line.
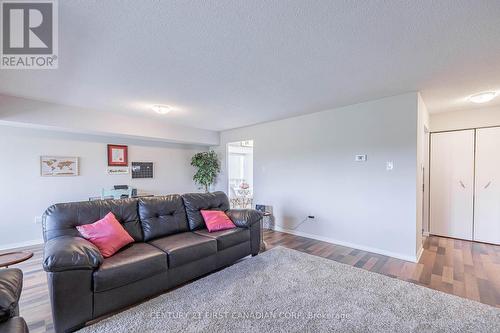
(426,233)
(348,244)
(20,244)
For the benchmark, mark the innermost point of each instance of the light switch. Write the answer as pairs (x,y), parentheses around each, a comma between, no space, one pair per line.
(389,165)
(360,158)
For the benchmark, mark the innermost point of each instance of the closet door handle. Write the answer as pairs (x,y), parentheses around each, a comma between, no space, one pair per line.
(462,184)
(487,185)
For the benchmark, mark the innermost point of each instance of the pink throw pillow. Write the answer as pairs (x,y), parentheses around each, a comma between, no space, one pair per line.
(216,220)
(107,234)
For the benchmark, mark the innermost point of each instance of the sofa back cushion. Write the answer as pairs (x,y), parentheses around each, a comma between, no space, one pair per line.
(62,219)
(195,202)
(162,216)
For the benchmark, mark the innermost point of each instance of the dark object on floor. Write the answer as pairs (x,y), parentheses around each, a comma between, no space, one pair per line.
(11,284)
(171,247)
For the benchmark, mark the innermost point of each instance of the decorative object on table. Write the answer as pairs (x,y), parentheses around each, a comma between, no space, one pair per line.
(57,166)
(260,208)
(208,167)
(118,170)
(119,192)
(142,170)
(117,155)
(12,258)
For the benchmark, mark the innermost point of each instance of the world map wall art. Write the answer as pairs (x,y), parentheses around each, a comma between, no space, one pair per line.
(58,166)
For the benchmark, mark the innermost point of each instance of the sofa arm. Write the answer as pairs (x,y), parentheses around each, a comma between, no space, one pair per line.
(67,253)
(244,218)
(11,284)
(14,325)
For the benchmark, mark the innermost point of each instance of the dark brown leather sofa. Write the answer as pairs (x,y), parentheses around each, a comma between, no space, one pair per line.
(11,285)
(171,247)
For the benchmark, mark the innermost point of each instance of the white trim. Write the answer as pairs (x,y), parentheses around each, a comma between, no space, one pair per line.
(21,244)
(426,234)
(419,254)
(348,244)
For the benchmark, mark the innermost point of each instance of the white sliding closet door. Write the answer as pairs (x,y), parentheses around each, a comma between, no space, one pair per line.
(487,206)
(452,184)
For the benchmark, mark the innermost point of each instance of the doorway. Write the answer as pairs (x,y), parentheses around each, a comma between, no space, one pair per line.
(464,194)
(240,173)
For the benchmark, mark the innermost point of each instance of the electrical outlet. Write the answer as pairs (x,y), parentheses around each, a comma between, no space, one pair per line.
(389,166)
(38,220)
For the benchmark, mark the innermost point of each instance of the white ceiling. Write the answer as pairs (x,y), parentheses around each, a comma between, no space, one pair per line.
(226,64)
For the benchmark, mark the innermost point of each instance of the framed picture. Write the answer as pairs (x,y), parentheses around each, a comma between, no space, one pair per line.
(117,155)
(57,166)
(142,170)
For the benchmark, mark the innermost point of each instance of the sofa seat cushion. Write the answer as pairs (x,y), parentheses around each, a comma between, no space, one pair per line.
(185,247)
(227,238)
(133,263)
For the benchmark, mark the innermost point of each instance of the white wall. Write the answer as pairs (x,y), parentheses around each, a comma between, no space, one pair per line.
(25,195)
(472,118)
(305,166)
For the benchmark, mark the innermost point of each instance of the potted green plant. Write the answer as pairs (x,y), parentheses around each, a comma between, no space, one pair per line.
(208,167)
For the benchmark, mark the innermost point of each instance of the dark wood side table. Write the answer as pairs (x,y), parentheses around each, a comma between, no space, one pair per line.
(12,258)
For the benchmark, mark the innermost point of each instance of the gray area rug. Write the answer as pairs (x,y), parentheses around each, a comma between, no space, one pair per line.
(283,290)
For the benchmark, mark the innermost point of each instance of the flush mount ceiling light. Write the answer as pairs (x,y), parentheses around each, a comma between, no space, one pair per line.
(161,109)
(483,97)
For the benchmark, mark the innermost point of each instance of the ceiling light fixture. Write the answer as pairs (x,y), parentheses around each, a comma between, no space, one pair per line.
(161,109)
(483,97)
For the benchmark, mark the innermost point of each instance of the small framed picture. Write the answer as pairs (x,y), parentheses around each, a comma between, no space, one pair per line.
(117,170)
(117,155)
(142,170)
(58,166)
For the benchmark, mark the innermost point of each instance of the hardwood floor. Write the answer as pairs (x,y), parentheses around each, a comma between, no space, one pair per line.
(462,268)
